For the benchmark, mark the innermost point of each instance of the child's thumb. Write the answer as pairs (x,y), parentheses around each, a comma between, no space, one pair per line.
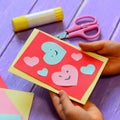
(91,47)
(65,101)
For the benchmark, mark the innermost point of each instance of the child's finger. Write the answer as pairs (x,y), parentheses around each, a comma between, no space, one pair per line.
(92,46)
(56,102)
(65,101)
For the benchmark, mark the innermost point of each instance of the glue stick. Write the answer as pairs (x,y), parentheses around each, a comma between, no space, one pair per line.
(36,19)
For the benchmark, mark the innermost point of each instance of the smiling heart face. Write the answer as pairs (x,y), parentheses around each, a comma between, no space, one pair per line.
(88,70)
(53,53)
(67,77)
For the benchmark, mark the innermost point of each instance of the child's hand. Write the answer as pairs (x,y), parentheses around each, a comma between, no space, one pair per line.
(68,110)
(108,49)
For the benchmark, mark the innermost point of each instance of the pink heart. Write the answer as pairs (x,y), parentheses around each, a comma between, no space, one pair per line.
(76,56)
(31,61)
(67,77)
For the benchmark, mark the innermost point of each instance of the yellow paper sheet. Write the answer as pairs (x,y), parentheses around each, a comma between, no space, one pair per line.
(17,72)
(21,100)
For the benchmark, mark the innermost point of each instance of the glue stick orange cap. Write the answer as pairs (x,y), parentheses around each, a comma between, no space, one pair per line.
(37,19)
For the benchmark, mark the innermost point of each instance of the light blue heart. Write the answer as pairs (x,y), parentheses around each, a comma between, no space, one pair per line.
(54,53)
(43,72)
(89,69)
(10,117)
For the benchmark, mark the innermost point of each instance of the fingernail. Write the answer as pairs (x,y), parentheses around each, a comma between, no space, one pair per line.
(61,92)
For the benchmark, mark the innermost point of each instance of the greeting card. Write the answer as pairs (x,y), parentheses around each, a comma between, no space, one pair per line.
(57,65)
(15,105)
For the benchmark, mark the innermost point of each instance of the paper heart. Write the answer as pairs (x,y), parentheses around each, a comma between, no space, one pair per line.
(89,69)
(10,117)
(43,72)
(53,53)
(31,61)
(76,56)
(68,76)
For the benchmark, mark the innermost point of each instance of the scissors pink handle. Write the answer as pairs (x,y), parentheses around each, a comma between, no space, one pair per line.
(82,32)
(76,27)
(82,29)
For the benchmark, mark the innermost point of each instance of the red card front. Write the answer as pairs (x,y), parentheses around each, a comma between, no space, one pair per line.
(2,83)
(59,65)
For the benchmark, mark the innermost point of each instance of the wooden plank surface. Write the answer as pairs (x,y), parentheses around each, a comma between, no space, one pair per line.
(107,14)
(17,41)
(9,10)
(42,106)
(44,97)
(116,35)
(106,94)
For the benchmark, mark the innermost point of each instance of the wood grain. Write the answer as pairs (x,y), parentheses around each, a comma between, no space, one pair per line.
(10,10)
(106,93)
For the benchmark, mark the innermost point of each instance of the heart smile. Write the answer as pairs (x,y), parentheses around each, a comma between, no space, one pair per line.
(54,53)
(68,76)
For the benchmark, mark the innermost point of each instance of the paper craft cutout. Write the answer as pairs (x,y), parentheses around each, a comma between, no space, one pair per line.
(53,53)
(6,105)
(67,77)
(85,83)
(31,61)
(10,117)
(15,102)
(76,56)
(43,72)
(2,84)
(88,70)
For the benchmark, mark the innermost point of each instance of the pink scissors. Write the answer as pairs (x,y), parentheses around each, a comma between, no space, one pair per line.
(80,30)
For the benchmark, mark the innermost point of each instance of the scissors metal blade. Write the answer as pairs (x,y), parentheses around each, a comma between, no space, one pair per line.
(62,35)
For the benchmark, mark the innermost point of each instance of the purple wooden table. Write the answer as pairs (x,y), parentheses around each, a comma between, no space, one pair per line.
(106,94)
